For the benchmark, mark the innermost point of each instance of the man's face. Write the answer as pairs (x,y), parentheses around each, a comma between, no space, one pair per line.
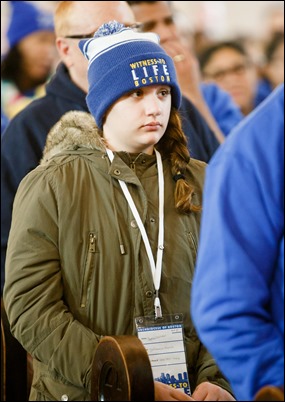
(156,17)
(233,73)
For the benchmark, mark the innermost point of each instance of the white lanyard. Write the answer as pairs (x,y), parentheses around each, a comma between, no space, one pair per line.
(155,268)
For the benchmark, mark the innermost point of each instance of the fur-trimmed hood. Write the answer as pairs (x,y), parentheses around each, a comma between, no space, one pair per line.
(74,130)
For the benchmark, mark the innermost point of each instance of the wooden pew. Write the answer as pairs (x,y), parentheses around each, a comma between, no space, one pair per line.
(121,370)
(270,393)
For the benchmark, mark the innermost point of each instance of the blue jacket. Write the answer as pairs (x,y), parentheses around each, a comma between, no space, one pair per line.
(23,141)
(264,88)
(237,302)
(226,113)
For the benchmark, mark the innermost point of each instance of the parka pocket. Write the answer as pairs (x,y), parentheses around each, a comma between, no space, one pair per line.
(92,249)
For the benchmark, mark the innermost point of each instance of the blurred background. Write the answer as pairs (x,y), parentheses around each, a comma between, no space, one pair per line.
(254,22)
(218,20)
(228,19)
(248,69)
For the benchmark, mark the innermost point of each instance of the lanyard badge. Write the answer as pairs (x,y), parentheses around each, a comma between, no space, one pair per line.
(163,341)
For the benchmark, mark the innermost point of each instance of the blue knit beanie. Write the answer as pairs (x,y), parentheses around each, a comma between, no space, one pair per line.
(122,60)
(25,20)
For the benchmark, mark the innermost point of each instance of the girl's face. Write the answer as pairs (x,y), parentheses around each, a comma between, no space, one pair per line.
(138,120)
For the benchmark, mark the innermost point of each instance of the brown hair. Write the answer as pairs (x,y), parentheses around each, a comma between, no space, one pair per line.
(174,146)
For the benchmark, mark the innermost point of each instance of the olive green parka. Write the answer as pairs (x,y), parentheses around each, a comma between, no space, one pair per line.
(76,266)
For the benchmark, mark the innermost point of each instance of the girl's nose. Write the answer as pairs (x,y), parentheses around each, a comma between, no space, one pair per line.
(152,105)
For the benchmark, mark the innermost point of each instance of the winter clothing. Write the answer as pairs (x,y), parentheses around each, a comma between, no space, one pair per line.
(29,129)
(24,139)
(264,89)
(238,289)
(25,20)
(137,61)
(226,113)
(80,290)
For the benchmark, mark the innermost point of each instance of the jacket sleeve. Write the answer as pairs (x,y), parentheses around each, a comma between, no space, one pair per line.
(21,150)
(33,291)
(238,288)
(222,106)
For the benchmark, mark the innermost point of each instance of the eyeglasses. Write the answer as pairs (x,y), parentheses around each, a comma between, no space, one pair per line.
(238,69)
(137,27)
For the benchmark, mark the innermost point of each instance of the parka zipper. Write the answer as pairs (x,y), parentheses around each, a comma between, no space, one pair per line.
(87,271)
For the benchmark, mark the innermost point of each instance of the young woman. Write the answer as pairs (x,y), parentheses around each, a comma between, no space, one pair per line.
(105,230)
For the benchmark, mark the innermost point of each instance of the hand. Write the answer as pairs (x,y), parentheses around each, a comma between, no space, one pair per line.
(187,68)
(164,392)
(211,392)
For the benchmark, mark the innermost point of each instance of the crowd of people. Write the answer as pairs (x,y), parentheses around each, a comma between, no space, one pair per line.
(141,178)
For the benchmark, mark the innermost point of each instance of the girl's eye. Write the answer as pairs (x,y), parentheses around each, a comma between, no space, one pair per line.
(165,92)
(137,94)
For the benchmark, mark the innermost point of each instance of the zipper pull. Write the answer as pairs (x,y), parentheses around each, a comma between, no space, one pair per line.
(92,243)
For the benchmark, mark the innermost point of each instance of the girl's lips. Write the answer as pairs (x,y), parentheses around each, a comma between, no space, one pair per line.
(153,124)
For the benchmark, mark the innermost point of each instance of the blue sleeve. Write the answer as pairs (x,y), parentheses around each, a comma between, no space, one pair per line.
(237,300)
(226,113)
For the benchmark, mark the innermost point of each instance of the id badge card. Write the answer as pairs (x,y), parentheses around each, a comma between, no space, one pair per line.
(163,341)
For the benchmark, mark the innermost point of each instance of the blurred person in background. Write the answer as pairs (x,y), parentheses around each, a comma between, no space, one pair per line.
(272,72)
(30,58)
(228,64)
(216,106)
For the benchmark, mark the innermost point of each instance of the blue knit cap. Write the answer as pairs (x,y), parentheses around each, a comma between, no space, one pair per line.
(25,20)
(122,60)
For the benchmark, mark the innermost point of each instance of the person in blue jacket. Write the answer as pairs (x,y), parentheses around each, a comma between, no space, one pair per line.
(24,139)
(237,301)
